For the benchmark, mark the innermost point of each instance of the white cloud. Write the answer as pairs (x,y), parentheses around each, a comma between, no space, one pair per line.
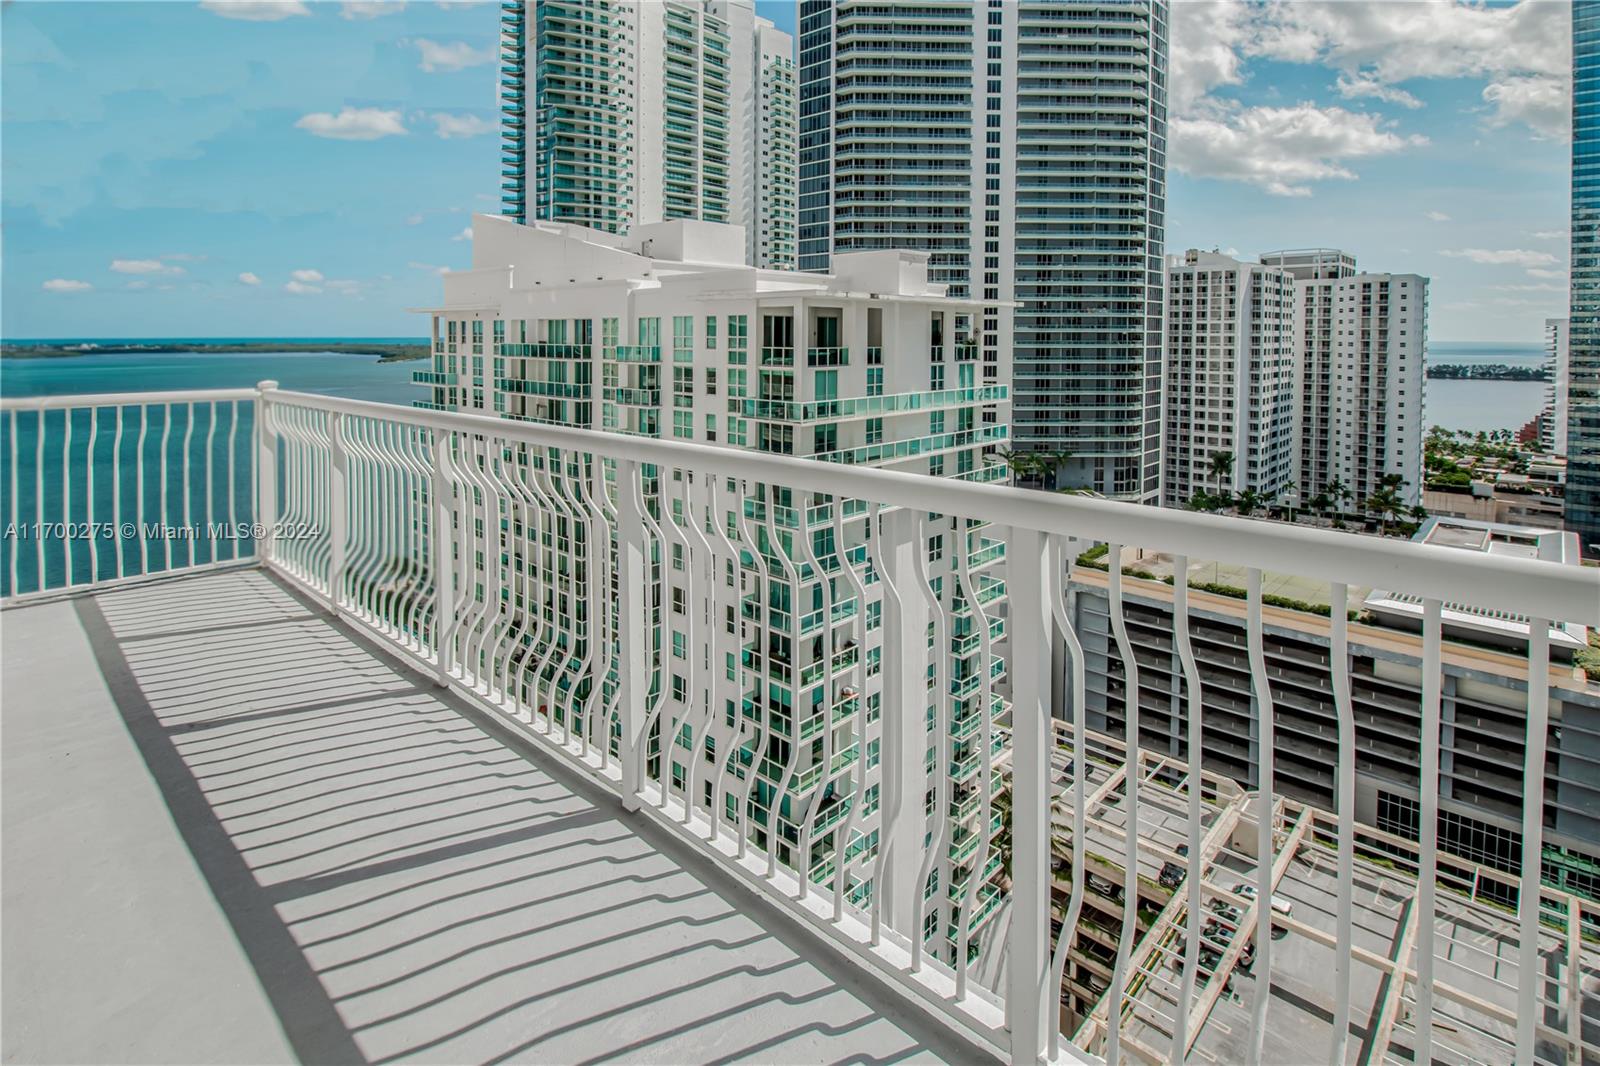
(452,56)
(370,9)
(344,286)
(256,10)
(1354,87)
(353,124)
(1543,272)
(1539,102)
(1501,256)
(309,276)
(1281,149)
(414,220)
(300,288)
(1437,216)
(140,284)
(1522,50)
(143,266)
(447,125)
(248,278)
(1549,234)
(66,285)
(429,267)
(1205,52)
(1542,286)
(464,235)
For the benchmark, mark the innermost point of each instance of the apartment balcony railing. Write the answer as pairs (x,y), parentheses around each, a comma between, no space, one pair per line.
(399,521)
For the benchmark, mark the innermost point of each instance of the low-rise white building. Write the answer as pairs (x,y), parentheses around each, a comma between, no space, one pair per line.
(1553,419)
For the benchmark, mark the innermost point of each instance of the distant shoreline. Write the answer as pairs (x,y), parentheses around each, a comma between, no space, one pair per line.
(1486,372)
(386,353)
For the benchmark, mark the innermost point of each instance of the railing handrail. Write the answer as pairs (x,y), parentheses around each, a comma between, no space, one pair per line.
(1564,593)
(66,401)
(1540,588)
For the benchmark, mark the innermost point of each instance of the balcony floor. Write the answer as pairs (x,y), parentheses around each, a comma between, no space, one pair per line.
(234,833)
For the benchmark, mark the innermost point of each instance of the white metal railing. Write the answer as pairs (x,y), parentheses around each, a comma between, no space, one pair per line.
(544,571)
(103,488)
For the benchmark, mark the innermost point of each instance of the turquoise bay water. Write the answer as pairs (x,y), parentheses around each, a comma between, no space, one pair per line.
(359,377)
(214,442)
(1484,405)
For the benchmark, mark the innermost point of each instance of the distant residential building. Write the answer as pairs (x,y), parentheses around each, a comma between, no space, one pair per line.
(1023,146)
(1360,345)
(666,332)
(1229,378)
(1583,421)
(622,112)
(1557,393)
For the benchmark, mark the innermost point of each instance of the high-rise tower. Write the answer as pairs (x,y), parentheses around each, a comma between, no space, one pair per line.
(1583,424)
(1023,146)
(621,112)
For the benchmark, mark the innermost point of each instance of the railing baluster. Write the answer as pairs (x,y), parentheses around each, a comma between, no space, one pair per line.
(1193,702)
(905,733)
(1266,810)
(859,628)
(1343,970)
(14,544)
(633,565)
(1028,1011)
(187,475)
(116,493)
(1528,888)
(266,471)
(1428,828)
(94,529)
(166,513)
(443,536)
(1077,710)
(1131,774)
(339,508)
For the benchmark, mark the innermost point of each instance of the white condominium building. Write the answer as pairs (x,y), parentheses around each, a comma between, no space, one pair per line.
(1230,377)
(1557,407)
(617,112)
(665,331)
(1361,340)
(1023,145)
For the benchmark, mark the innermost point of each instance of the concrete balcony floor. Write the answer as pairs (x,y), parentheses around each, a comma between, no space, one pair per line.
(232,832)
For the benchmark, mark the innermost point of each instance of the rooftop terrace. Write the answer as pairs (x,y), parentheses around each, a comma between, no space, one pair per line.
(307,758)
(296,849)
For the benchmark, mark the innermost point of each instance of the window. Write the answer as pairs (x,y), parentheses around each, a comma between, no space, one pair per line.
(874,381)
(711,331)
(874,431)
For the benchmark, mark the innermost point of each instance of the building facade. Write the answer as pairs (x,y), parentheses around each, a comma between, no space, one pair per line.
(1557,394)
(1229,377)
(1023,146)
(1482,717)
(666,332)
(1360,345)
(1583,424)
(619,112)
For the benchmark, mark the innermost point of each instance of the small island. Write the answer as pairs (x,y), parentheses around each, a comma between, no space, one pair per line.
(386,353)
(1487,372)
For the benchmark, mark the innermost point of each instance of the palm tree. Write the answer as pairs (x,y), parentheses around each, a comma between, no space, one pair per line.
(1050,463)
(1248,501)
(1221,466)
(1386,504)
(1338,493)
(1023,465)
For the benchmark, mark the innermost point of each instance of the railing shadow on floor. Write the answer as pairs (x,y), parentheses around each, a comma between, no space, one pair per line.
(387,894)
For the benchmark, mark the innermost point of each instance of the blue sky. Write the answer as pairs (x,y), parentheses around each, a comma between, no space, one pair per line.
(305,169)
